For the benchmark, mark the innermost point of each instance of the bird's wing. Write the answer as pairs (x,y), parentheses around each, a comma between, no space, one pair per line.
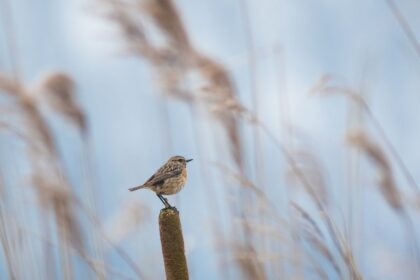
(162,174)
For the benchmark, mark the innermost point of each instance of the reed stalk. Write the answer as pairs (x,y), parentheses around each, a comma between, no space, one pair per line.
(172,245)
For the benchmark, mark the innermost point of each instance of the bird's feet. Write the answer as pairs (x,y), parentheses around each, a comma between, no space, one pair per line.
(166,203)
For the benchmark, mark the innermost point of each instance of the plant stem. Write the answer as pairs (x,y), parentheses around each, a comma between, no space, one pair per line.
(172,245)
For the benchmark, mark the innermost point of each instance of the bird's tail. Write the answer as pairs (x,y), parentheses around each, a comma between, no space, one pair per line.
(137,188)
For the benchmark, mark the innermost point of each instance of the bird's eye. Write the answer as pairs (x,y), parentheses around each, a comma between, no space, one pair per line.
(180,160)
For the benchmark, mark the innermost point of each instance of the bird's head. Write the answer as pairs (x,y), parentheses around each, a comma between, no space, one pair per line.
(179,160)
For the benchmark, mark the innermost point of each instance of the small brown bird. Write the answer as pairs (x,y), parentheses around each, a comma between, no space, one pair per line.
(169,179)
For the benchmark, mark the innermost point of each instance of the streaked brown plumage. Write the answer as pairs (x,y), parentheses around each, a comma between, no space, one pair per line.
(169,179)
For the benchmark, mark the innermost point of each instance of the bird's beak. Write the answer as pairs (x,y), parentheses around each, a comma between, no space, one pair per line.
(188,160)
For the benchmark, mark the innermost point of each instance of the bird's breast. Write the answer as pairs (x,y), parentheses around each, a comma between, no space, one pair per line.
(174,184)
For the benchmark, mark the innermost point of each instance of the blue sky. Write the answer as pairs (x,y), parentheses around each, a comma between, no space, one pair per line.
(358,42)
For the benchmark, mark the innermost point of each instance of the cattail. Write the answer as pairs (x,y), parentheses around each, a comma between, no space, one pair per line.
(172,242)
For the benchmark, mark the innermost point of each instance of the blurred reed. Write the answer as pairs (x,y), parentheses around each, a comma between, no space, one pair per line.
(253,238)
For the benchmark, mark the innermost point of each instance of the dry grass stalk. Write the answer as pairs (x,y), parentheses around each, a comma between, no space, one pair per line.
(59,90)
(311,232)
(50,182)
(42,143)
(312,167)
(60,200)
(37,127)
(262,229)
(267,207)
(388,187)
(263,207)
(247,259)
(336,236)
(407,29)
(323,86)
(169,62)
(341,245)
(177,60)
(132,30)
(7,84)
(220,98)
(166,17)
(127,220)
(262,257)
(7,127)
(4,235)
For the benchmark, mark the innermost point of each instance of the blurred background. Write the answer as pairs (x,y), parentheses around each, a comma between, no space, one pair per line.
(301,116)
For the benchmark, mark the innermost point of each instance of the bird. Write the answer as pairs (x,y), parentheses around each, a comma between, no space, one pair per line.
(169,179)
